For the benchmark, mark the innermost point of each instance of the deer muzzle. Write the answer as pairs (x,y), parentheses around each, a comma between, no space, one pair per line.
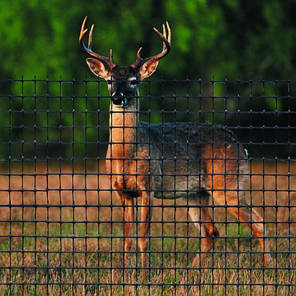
(118,98)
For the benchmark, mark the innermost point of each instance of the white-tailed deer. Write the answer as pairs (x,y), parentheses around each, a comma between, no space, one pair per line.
(170,160)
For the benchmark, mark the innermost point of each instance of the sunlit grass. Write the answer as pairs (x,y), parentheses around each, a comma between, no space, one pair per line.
(66,261)
(77,251)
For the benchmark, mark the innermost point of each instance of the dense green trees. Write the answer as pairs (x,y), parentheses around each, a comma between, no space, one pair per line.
(237,39)
(211,39)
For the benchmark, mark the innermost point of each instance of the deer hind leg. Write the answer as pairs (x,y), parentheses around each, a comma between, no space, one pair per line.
(244,213)
(200,216)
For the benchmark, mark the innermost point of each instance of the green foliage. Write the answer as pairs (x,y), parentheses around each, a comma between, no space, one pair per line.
(211,39)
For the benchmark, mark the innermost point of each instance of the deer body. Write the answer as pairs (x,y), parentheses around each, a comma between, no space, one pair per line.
(170,160)
(175,156)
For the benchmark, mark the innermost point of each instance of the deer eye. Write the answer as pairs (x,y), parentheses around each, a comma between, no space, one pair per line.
(133,81)
(109,81)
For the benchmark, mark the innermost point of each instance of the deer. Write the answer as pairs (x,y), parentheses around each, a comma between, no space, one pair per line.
(172,160)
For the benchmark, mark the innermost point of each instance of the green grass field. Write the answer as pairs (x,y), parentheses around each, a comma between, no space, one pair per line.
(56,245)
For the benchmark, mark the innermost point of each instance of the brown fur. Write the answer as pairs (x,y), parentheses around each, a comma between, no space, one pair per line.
(223,170)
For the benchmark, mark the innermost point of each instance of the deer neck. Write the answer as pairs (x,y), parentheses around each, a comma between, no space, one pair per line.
(123,124)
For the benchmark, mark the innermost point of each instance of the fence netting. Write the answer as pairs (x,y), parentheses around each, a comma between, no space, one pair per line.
(62,222)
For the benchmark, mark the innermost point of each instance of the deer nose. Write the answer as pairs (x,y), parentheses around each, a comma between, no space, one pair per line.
(118,97)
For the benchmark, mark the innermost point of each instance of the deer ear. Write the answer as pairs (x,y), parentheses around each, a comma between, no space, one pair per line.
(98,68)
(148,68)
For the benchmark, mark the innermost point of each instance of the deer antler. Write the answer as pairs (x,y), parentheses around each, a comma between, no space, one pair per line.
(165,37)
(87,49)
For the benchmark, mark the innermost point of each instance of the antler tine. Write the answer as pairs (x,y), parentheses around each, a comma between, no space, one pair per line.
(82,30)
(139,59)
(105,60)
(169,31)
(163,31)
(90,35)
(165,37)
(139,52)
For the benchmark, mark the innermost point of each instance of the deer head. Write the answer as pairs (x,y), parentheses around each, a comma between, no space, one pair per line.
(123,80)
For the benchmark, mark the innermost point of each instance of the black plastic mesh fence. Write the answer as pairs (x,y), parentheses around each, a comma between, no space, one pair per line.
(76,222)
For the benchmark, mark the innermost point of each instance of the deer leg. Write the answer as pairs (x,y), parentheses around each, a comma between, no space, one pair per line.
(127,212)
(244,213)
(208,231)
(145,215)
(212,231)
(255,222)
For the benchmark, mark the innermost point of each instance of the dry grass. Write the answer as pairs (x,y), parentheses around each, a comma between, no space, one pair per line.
(52,243)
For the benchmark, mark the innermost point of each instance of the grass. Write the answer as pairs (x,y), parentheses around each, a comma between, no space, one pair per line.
(63,249)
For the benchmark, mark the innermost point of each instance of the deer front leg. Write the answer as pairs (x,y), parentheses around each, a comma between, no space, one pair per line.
(127,212)
(145,215)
